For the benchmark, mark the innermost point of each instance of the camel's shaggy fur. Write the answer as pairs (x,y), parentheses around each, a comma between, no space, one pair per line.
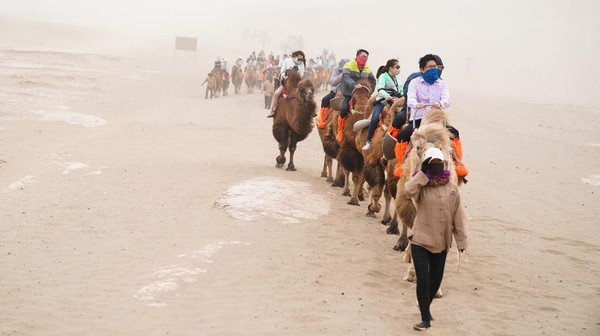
(293,120)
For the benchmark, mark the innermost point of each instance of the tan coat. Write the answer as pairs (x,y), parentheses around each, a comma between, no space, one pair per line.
(439,214)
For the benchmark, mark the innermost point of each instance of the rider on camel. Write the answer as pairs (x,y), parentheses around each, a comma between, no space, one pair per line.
(354,71)
(297,61)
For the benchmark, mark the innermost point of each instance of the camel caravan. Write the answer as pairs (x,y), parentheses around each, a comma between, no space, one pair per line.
(376,132)
(260,70)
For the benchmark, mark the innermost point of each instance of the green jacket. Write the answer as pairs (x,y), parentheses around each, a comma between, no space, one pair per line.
(387,86)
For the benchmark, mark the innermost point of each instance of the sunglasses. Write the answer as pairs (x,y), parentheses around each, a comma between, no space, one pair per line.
(397,67)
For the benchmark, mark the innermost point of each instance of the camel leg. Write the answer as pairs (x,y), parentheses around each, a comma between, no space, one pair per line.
(281,158)
(324,170)
(329,162)
(402,243)
(387,218)
(283,146)
(346,191)
(358,186)
(293,143)
(361,192)
(375,207)
(393,228)
(339,177)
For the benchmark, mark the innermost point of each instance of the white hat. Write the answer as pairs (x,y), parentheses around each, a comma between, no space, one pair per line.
(433,153)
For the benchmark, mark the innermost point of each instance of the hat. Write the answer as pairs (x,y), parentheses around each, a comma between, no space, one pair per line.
(433,153)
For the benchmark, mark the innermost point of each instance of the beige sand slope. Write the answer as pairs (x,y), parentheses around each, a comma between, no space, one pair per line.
(129,205)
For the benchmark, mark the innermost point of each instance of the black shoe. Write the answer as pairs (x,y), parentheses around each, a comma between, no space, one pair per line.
(422,326)
(271,115)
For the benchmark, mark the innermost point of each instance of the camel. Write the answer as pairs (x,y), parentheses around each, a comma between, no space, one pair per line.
(432,133)
(250,79)
(311,74)
(328,129)
(374,169)
(323,74)
(293,119)
(225,83)
(237,76)
(218,76)
(261,75)
(349,157)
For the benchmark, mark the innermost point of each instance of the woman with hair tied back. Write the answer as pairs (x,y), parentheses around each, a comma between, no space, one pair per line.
(389,88)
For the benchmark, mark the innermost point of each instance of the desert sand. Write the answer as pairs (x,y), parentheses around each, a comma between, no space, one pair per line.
(130,205)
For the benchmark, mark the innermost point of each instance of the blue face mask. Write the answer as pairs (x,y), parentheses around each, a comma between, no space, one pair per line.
(431,75)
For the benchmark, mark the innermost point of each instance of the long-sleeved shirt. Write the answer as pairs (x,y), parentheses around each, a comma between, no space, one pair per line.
(387,84)
(419,91)
(410,78)
(440,214)
(288,64)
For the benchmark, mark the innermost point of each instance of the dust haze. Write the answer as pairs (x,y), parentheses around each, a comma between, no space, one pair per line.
(539,51)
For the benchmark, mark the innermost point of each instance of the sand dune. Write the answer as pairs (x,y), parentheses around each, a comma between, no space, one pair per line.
(131,205)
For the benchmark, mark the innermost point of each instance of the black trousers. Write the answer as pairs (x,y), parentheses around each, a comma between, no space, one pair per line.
(429,268)
(345,106)
(326,101)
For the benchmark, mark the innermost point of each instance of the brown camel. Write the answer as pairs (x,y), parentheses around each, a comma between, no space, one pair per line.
(250,79)
(237,76)
(349,157)
(218,76)
(432,133)
(293,119)
(323,74)
(328,129)
(374,170)
(225,83)
(311,74)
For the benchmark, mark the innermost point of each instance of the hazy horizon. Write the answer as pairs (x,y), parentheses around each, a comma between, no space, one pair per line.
(524,50)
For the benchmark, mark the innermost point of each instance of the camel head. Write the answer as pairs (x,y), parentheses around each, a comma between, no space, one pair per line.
(435,116)
(364,92)
(306,90)
(389,112)
(293,79)
(432,135)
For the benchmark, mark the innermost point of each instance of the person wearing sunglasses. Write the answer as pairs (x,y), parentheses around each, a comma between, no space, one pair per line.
(297,61)
(389,88)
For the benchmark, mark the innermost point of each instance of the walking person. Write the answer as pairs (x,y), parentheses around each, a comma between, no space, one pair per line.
(440,216)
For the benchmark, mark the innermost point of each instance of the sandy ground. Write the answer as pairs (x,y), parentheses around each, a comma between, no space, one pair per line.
(131,205)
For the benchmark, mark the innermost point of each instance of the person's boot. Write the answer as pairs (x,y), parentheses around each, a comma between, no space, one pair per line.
(321,118)
(394,131)
(272,114)
(341,123)
(400,151)
(461,169)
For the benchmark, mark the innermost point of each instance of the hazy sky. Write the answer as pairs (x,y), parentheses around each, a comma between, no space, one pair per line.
(528,48)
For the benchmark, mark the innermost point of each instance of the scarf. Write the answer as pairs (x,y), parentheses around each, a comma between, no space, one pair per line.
(437,180)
